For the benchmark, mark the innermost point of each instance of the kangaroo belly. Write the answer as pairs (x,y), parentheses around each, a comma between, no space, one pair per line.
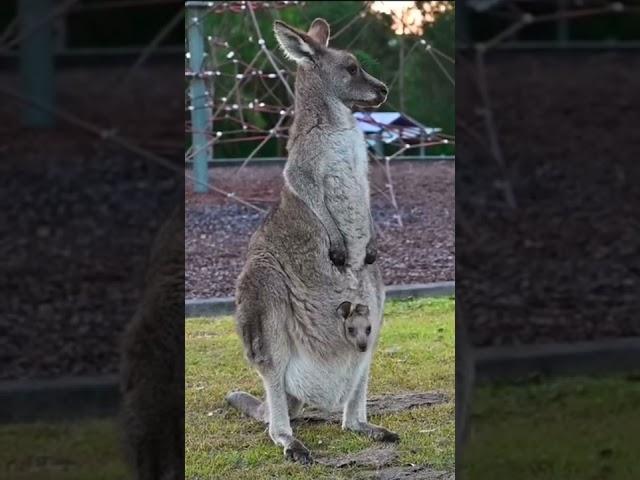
(323,384)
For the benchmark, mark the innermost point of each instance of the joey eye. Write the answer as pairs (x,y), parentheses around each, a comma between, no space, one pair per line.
(368,330)
(352,69)
(351,330)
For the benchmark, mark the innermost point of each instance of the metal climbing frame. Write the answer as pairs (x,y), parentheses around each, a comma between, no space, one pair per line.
(199,107)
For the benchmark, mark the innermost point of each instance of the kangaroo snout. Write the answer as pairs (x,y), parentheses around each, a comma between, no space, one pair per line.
(382,93)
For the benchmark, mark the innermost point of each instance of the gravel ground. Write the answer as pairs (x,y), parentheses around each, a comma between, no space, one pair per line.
(78,217)
(564,264)
(422,250)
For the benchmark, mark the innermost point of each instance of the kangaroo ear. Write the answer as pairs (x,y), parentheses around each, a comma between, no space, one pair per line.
(362,309)
(345,309)
(320,31)
(297,46)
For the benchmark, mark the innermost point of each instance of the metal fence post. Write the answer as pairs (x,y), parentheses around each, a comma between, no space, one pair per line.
(200,108)
(562,24)
(36,60)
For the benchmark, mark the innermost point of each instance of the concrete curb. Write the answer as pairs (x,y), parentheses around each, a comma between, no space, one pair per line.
(212,307)
(60,399)
(584,358)
(209,307)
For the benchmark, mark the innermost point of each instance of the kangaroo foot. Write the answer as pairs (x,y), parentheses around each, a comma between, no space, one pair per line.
(379,434)
(294,449)
(297,452)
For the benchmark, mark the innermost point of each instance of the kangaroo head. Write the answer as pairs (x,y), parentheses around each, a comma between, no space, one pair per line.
(357,325)
(336,74)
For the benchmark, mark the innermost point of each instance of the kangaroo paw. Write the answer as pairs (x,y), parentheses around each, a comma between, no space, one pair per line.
(297,452)
(338,257)
(371,254)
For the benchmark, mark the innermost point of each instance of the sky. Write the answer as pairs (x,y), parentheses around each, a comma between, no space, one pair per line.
(408,19)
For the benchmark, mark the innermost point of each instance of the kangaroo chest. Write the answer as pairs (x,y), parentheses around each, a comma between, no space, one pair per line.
(347,191)
(350,162)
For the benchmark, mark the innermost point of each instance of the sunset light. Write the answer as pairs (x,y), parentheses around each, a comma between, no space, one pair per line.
(408,18)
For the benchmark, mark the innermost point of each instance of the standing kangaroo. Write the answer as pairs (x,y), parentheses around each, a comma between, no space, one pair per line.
(327,165)
(314,251)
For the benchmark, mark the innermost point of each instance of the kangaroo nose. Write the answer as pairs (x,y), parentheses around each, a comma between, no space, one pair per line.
(383,90)
(362,347)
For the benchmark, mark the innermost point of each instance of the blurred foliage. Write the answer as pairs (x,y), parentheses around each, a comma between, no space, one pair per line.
(429,95)
(605,26)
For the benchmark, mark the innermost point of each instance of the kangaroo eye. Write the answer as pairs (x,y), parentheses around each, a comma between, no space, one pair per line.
(350,330)
(368,330)
(352,69)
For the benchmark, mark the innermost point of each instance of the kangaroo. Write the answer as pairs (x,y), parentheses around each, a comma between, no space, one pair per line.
(357,326)
(288,290)
(152,368)
(328,163)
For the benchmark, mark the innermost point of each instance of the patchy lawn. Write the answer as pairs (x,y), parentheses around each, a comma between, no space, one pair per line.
(576,428)
(416,353)
(88,450)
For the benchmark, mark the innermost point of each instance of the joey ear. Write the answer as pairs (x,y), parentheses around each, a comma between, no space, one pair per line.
(345,309)
(320,31)
(362,309)
(297,46)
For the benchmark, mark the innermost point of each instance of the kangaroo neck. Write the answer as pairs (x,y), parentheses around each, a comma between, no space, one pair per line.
(314,108)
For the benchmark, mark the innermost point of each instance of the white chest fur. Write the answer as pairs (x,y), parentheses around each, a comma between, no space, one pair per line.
(351,149)
(324,384)
(347,192)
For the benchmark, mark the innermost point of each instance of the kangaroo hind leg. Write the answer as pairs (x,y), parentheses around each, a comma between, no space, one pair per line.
(279,423)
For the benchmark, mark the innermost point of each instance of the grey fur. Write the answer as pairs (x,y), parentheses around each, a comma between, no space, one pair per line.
(328,163)
(288,293)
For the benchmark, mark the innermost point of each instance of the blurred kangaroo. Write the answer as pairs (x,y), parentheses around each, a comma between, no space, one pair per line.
(289,294)
(465,382)
(152,368)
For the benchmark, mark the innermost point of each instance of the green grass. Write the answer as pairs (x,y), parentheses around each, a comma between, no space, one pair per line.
(416,353)
(572,428)
(86,450)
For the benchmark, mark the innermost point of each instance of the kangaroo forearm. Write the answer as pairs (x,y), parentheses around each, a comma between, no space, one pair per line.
(328,221)
(326,217)
(313,195)
(348,209)
(349,215)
